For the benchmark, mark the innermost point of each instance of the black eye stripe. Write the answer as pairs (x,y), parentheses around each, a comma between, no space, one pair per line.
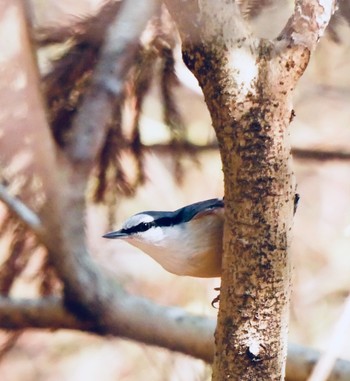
(142,227)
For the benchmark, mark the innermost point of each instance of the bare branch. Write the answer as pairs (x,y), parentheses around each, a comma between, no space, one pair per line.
(107,85)
(89,28)
(49,313)
(44,313)
(310,154)
(137,319)
(10,342)
(301,360)
(21,211)
(308,22)
(320,155)
(66,238)
(87,292)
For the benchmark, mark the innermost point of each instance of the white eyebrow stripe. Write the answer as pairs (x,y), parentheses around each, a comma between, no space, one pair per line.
(136,220)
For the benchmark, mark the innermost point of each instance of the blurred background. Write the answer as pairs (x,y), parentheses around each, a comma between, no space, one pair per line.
(321,246)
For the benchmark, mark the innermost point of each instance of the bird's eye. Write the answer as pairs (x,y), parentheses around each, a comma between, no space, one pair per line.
(143,226)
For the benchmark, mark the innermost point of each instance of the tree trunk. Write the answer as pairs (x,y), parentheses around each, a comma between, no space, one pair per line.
(247,85)
(259,194)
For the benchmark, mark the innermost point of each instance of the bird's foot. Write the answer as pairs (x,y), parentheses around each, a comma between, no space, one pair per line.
(216,299)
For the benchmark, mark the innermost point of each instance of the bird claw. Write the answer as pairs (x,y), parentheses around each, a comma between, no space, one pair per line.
(216,299)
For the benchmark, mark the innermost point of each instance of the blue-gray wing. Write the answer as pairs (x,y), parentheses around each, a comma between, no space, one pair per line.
(186,213)
(191,211)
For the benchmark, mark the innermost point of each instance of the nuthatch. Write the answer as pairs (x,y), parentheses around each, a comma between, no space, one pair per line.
(187,241)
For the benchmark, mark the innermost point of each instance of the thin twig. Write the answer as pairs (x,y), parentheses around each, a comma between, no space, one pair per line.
(10,342)
(320,155)
(311,154)
(89,28)
(17,207)
(335,346)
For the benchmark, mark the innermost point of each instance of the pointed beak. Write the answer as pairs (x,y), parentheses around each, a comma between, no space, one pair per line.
(115,235)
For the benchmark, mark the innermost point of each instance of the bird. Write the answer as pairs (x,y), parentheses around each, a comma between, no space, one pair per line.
(187,241)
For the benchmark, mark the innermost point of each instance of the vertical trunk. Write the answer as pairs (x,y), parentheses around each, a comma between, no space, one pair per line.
(251,122)
(256,272)
(247,84)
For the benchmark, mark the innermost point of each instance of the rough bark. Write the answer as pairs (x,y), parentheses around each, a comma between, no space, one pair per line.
(247,85)
(259,193)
